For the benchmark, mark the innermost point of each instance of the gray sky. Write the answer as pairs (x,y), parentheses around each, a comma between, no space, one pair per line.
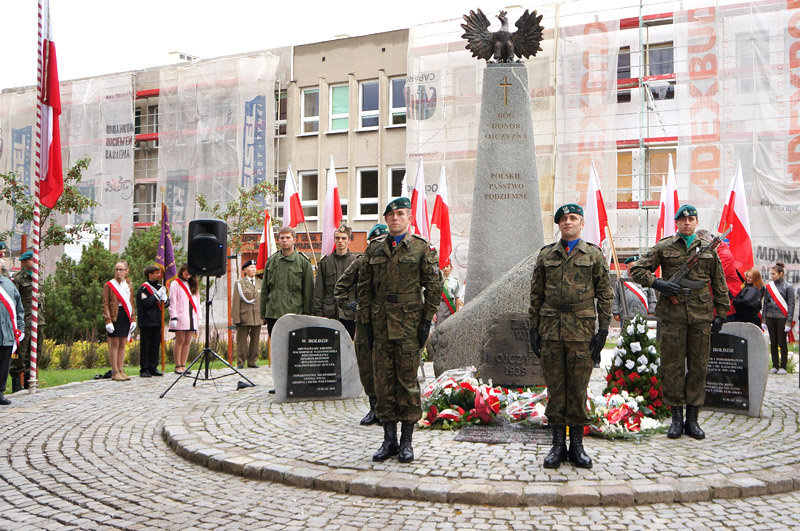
(103,36)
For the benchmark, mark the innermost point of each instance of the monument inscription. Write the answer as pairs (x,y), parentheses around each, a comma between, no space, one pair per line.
(315,368)
(506,358)
(727,379)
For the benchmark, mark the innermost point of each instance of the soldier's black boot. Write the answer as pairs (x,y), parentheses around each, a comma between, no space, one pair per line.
(676,428)
(406,454)
(27,381)
(16,383)
(691,427)
(370,417)
(389,447)
(558,452)
(577,455)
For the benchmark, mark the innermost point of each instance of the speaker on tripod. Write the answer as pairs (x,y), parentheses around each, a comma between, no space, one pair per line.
(208,242)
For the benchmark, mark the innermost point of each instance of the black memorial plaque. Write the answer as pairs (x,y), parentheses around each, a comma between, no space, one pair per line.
(315,363)
(727,379)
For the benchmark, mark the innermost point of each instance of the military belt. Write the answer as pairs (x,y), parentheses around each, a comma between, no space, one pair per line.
(574,307)
(398,297)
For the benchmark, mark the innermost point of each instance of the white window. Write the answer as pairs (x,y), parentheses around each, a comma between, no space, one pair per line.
(280,112)
(367,187)
(396,176)
(309,114)
(308,193)
(660,61)
(397,99)
(368,106)
(144,203)
(339,108)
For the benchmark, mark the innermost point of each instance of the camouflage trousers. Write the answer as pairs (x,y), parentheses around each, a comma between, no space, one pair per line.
(395,364)
(364,360)
(22,363)
(567,367)
(684,362)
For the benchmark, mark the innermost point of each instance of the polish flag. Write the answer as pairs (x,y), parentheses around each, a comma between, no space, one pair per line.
(735,215)
(668,206)
(441,218)
(266,245)
(333,212)
(419,207)
(292,210)
(51,178)
(595,212)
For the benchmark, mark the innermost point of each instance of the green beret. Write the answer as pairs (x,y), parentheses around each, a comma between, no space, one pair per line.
(570,208)
(631,260)
(378,230)
(27,255)
(685,210)
(397,204)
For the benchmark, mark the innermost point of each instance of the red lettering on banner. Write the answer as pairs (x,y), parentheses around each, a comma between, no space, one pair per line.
(793,146)
(705,167)
(702,47)
(792,4)
(703,67)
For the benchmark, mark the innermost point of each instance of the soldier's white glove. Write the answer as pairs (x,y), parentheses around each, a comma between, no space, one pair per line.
(162,293)
(787,328)
(133,327)
(764,326)
(110,328)
(21,337)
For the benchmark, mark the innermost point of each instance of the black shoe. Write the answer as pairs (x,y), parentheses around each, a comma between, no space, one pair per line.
(691,427)
(239,366)
(4,401)
(144,374)
(253,366)
(676,428)
(558,452)
(156,372)
(389,447)
(370,418)
(577,455)
(16,383)
(406,452)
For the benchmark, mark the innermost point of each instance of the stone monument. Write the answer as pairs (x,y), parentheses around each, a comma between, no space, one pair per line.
(313,358)
(506,357)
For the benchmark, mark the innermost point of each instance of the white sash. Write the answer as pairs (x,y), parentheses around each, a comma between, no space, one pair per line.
(239,285)
(117,288)
(778,298)
(8,302)
(638,292)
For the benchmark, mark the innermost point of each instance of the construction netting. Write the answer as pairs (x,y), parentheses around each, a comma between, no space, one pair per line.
(626,86)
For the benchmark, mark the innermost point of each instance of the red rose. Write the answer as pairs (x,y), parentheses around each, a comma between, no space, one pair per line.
(657,402)
(621,382)
(633,376)
(653,380)
(615,391)
(653,393)
(619,374)
(608,377)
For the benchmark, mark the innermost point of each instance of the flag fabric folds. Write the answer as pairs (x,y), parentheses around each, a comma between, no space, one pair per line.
(292,209)
(419,207)
(266,245)
(594,214)
(165,256)
(51,177)
(668,205)
(734,215)
(333,212)
(441,218)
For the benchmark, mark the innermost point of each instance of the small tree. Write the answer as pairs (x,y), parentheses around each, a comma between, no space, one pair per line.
(242,213)
(141,252)
(72,201)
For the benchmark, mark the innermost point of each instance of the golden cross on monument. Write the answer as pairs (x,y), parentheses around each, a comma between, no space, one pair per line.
(505,84)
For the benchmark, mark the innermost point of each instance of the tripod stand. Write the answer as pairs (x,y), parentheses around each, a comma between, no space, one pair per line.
(206,356)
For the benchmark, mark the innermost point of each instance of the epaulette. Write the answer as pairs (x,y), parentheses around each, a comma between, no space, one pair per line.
(594,245)
(420,238)
(546,246)
(665,238)
(301,253)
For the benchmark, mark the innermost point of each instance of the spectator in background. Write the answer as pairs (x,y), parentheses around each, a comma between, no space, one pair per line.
(748,302)
(637,299)
(776,314)
(329,270)
(732,277)
(21,360)
(118,315)
(288,285)
(184,315)
(11,330)
(244,314)
(150,302)
(452,291)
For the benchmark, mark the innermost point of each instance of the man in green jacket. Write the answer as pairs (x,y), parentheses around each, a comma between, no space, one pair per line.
(329,270)
(288,284)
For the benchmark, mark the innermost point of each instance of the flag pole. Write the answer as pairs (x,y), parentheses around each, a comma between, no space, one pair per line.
(161,306)
(310,245)
(623,300)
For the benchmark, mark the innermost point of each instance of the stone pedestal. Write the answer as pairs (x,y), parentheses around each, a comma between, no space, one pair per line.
(506,221)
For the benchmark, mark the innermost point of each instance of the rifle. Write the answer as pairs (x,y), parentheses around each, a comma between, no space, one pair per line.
(680,275)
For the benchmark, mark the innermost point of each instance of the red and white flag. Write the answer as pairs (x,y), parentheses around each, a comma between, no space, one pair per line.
(51,178)
(419,207)
(441,218)
(594,214)
(668,206)
(292,209)
(266,245)
(333,212)
(735,215)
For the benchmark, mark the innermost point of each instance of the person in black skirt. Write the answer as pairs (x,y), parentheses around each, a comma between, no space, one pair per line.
(119,317)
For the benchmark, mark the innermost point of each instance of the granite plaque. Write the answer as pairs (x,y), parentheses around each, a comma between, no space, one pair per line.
(726,381)
(501,431)
(315,367)
(506,357)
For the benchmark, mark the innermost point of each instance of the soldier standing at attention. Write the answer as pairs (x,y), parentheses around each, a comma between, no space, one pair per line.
(346,295)
(569,275)
(329,269)
(245,315)
(21,359)
(288,284)
(399,289)
(688,322)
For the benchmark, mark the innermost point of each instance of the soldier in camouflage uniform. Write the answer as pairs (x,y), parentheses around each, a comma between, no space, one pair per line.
(21,360)
(686,327)
(346,294)
(329,269)
(399,288)
(569,275)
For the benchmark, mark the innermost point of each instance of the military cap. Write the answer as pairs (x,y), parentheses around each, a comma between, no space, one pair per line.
(27,255)
(631,259)
(570,208)
(397,204)
(685,210)
(378,230)
(344,229)
(248,263)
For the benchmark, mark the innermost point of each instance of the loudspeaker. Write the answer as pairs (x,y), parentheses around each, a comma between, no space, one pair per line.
(208,240)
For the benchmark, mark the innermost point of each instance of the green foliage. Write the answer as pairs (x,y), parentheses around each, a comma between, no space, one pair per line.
(141,249)
(245,212)
(72,201)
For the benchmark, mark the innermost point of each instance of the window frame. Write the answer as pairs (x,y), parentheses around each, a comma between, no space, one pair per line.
(367,114)
(311,119)
(397,111)
(150,206)
(301,189)
(390,178)
(341,115)
(281,123)
(360,201)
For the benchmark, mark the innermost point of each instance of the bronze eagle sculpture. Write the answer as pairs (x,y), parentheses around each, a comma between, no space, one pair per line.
(503,44)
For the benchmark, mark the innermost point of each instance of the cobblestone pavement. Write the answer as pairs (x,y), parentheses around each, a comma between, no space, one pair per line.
(92,455)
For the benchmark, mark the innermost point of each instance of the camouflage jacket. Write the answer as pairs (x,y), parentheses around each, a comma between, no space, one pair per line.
(563,292)
(399,287)
(329,269)
(287,287)
(670,254)
(23,280)
(346,289)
